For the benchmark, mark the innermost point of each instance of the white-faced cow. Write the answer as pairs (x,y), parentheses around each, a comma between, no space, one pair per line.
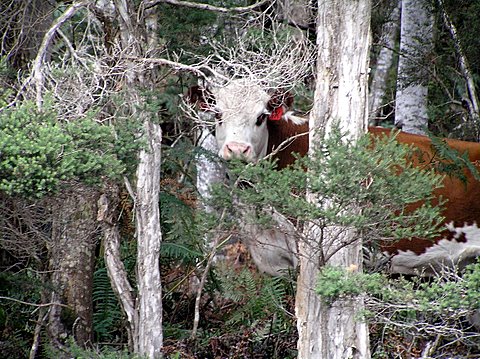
(251,122)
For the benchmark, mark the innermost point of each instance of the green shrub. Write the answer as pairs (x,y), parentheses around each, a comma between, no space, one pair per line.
(39,152)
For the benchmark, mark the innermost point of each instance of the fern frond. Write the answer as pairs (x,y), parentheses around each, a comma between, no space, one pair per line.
(107,312)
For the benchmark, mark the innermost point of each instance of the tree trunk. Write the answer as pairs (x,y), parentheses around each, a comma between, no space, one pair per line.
(384,63)
(333,331)
(107,215)
(415,45)
(209,172)
(150,335)
(72,258)
(134,32)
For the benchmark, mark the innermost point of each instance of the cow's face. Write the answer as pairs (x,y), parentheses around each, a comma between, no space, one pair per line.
(241,111)
(241,114)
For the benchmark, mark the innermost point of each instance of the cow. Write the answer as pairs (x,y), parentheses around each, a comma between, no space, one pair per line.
(252,123)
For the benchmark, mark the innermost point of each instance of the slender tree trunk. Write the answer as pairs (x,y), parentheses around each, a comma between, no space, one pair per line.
(72,258)
(209,172)
(384,63)
(150,335)
(333,331)
(134,32)
(107,215)
(412,82)
(471,99)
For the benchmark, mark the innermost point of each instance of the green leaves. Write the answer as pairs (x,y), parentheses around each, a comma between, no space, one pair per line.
(38,152)
(434,297)
(335,282)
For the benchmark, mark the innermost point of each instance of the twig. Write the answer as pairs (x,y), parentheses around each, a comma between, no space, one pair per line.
(42,316)
(212,254)
(34,304)
(196,69)
(180,282)
(285,144)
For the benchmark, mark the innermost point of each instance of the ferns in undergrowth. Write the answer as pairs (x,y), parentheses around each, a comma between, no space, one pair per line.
(181,238)
(73,350)
(179,251)
(107,314)
(14,345)
(16,319)
(262,301)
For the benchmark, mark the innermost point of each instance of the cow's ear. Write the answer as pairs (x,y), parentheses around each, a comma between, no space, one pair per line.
(280,98)
(278,105)
(201,97)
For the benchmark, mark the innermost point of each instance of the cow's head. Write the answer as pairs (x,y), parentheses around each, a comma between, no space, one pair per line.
(242,110)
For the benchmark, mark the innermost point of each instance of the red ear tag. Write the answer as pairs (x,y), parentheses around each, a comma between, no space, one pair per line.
(276,114)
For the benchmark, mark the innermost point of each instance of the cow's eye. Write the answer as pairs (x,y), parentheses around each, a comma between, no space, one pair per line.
(218,116)
(261,119)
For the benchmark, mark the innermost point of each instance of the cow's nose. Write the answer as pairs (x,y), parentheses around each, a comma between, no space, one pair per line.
(237,149)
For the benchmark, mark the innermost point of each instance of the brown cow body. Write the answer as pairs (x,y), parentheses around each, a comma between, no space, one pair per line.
(243,133)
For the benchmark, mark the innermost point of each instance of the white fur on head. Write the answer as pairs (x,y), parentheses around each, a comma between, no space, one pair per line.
(240,104)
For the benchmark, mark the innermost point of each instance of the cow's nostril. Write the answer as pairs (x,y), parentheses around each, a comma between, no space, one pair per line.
(237,149)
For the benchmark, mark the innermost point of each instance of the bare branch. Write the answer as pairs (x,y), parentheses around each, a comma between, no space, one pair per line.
(285,144)
(196,69)
(37,73)
(42,317)
(240,9)
(216,245)
(34,304)
(269,64)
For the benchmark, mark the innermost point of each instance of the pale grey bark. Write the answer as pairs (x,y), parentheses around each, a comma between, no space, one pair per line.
(333,331)
(209,171)
(149,237)
(134,32)
(37,72)
(108,216)
(384,63)
(412,81)
(41,319)
(147,212)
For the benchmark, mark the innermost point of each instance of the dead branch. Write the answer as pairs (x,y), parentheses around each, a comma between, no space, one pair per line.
(41,319)
(216,245)
(285,144)
(37,73)
(34,304)
(197,69)
(107,212)
(200,6)
(280,64)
